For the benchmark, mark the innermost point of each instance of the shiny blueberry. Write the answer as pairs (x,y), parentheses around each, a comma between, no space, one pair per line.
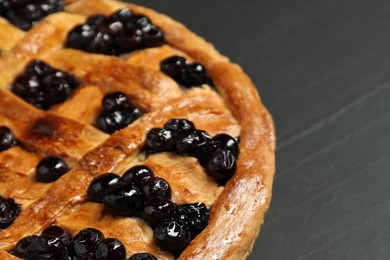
(111,28)
(115,99)
(9,210)
(38,68)
(141,21)
(58,87)
(101,43)
(80,36)
(113,120)
(173,66)
(85,241)
(110,249)
(222,165)
(193,143)
(57,232)
(7,139)
(123,200)
(95,21)
(142,256)
(179,126)
(122,15)
(196,216)
(194,75)
(158,140)
(155,188)
(99,185)
(29,88)
(50,168)
(22,246)
(44,248)
(153,36)
(130,40)
(172,235)
(137,175)
(157,210)
(225,141)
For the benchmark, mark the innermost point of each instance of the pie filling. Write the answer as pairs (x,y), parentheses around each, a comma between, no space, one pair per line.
(137,192)
(25,13)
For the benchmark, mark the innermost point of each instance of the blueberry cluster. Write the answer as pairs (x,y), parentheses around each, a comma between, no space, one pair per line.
(117,113)
(25,13)
(218,154)
(55,243)
(50,168)
(119,33)
(139,193)
(177,229)
(43,86)
(7,139)
(9,210)
(185,73)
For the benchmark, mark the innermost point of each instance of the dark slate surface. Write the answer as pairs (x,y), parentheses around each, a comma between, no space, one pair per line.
(323,70)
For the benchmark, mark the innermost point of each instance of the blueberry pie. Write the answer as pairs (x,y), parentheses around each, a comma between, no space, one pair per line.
(123,135)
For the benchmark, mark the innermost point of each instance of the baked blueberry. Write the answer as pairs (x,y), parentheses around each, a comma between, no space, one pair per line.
(179,126)
(173,66)
(29,88)
(115,119)
(95,21)
(123,200)
(85,241)
(123,15)
(57,86)
(158,140)
(193,143)
(225,141)
(99,186)
(155,188)
(111,27)
(141,21)
(153,36)
(142,256)
(222,165)
(194,75)
(196,215)
(21,247)
(172,235)
(9,210)
(57,232)
(38,68)
(101,43)
(44,248)
(115,99)
(109,249)
(137,175)
(7,139)
(130,40)
(157,210)
(80,36)
(50,168)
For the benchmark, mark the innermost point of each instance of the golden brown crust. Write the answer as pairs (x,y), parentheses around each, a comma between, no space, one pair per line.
(62,195)
(238,210)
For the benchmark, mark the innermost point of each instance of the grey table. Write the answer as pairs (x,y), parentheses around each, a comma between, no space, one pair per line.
(323,70)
